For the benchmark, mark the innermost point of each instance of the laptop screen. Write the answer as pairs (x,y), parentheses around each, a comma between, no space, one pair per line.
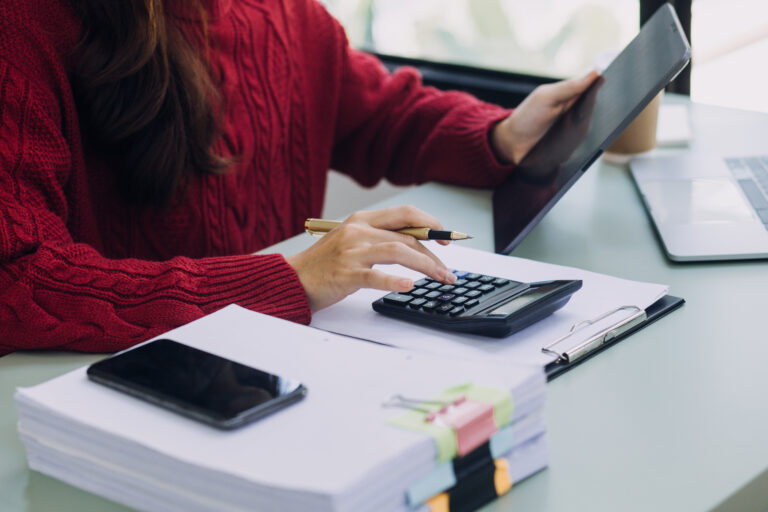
(594,121)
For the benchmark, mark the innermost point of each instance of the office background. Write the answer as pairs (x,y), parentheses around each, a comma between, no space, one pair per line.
(501,49)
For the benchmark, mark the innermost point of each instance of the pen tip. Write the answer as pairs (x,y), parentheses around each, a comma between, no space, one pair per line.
(460,236)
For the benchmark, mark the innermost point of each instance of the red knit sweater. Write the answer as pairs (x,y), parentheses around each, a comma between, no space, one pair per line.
(82,270)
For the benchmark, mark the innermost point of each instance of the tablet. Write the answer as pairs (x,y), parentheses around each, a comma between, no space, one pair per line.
(577,139)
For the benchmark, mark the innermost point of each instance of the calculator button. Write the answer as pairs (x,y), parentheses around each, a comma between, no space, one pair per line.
(460,291)
(486,279)
(432,304)
(500,281)
(422,282)
(486,288)
(455,311)
(418,292)
(473,293)
(472,277)
(444,308)
(433,294)
(447,297)
(460,273)
(397,298)
(472,284)
(433,285)
(459,300)
(460,282)
(471,303)
(446,288)
(415,303)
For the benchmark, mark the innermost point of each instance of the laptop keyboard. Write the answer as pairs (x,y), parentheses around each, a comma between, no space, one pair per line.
(752,175)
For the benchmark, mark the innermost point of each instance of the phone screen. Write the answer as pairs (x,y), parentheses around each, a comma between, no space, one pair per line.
(196,383)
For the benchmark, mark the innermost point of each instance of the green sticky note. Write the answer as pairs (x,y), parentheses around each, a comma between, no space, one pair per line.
(445,437)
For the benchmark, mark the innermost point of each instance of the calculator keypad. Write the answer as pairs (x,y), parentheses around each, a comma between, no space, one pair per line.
(467,292)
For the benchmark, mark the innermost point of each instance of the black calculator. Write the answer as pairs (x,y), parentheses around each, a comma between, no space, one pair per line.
(478,303)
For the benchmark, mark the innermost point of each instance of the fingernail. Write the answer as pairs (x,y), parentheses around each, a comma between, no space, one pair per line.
(406,284)
(450,277)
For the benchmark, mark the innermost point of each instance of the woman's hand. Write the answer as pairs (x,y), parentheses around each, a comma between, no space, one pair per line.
(513,137)
(340,263)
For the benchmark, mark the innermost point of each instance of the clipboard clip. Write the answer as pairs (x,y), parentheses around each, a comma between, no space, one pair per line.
(604,336)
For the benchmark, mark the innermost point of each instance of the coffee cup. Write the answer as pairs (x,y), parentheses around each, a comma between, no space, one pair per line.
(639,136)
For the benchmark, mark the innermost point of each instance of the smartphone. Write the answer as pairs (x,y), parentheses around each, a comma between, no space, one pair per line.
(196,384)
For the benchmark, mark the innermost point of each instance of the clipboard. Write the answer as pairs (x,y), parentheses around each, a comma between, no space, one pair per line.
(606,338)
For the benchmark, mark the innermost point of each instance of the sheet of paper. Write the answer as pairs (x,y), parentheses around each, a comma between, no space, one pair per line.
(599,294)
(674,126)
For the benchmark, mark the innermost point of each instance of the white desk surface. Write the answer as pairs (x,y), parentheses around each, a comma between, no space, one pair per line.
(673,418)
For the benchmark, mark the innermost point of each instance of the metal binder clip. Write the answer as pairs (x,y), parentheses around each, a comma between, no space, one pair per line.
(472,421)
(598,339)
(415,405)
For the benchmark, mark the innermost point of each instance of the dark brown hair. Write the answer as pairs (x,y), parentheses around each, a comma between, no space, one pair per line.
(144,95)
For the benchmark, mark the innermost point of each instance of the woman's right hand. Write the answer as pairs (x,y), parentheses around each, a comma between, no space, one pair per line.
(341,262)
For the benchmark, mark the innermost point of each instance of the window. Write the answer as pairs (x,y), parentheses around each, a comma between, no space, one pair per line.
(548,38)
(730,45)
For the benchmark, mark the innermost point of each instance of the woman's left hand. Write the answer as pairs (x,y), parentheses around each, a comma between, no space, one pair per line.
(513,137)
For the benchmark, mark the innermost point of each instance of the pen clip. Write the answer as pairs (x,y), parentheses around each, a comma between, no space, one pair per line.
(319,227)
(599,339)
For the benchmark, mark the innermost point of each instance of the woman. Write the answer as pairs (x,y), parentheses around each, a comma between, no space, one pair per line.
(148,147)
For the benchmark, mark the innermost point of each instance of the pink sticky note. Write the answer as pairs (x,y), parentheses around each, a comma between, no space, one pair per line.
(473,423)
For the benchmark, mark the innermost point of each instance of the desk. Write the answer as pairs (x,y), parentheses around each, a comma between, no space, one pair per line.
(673,418)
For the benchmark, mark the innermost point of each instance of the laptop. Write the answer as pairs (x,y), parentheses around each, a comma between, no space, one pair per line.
(707,207)
(578,138)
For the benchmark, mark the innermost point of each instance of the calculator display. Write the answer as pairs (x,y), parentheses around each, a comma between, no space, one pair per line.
(523,300)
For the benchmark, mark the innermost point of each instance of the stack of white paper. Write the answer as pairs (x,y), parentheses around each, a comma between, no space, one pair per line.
(332,451)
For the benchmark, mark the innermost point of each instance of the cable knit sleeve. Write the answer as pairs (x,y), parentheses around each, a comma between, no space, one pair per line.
(390,125)
(56,293)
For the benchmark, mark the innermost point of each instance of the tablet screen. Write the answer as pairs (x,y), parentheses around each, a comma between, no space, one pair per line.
(656,55)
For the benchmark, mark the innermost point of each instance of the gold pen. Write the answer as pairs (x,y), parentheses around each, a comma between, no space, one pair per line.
(322,226)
